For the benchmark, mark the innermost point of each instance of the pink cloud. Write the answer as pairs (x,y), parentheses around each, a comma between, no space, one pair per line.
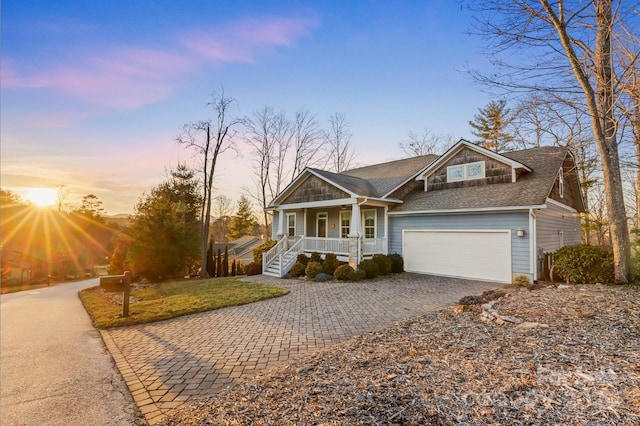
(242,41)
(132,77)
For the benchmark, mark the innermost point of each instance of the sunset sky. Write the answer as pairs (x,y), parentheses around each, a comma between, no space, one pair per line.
(95,92)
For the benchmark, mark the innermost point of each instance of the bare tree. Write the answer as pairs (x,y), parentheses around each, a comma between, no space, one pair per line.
(425,143)
(222,210)
(268,135)
(628,81)
(564,47)
(62,199)
(307,140)
(208,140)
(338,141)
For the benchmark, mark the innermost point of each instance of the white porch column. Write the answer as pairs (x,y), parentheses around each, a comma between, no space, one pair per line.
(354,223)
(355,239)
(281,216)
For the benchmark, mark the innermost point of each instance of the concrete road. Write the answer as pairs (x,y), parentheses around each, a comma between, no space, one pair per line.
(55,369)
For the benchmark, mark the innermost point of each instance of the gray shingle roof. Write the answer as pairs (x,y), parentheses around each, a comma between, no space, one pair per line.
(530,188)
(378,179)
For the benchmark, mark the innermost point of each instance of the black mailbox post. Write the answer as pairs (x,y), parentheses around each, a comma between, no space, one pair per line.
(116,283)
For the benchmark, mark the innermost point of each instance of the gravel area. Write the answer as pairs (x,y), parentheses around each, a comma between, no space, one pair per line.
(568,355)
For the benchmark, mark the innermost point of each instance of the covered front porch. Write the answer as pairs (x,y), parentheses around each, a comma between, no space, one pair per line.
(352,229)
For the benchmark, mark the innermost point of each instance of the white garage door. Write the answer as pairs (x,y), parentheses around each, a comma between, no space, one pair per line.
(482,255)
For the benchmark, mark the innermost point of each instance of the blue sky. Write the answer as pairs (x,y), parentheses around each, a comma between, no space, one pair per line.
(95,92)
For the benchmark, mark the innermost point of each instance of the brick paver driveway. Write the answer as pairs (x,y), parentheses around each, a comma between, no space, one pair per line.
(169,363)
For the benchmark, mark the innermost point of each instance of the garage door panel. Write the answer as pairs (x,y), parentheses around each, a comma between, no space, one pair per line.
(484,255)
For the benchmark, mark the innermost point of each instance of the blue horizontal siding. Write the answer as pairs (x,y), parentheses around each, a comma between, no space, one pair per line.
(512,220)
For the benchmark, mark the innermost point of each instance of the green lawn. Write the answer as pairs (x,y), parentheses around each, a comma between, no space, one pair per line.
(172,299)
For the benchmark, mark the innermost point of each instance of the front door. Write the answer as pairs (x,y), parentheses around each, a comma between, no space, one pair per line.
(321,225)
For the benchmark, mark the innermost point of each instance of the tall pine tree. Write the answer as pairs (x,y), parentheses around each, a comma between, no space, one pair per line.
(491,125)
(244,221)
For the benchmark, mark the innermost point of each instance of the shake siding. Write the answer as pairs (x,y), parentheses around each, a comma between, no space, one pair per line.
(550,221)
(513,221)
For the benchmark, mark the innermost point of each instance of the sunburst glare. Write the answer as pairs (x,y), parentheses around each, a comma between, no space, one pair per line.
(42,197)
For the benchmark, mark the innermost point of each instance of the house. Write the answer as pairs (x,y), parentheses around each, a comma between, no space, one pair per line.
(240,250)
(470,213)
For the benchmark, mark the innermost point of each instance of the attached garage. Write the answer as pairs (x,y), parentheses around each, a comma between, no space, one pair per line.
(474,254)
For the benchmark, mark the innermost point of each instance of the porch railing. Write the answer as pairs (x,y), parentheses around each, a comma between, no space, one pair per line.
(280,246)
(341,245)
(286,250)
(326,245)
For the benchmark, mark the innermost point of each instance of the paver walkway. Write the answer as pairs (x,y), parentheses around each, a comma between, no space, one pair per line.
(182,360)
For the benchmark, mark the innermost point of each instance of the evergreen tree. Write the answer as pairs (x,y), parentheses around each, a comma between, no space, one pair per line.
(219,264)
(491,126)
(225,262)
(211,262)
(165,231)
(233,268)
(244,221)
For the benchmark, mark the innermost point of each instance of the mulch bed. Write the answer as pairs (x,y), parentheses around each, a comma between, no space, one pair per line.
(563,356)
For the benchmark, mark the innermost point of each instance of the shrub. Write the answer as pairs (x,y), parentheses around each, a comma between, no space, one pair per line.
(583,264)
(313,269)
(370,268)
(298,270)
(330,263)
(254,268)
(322,277)
(360,275)
(302,258)
(240,268)
(384,263)
(397,263)
(522,280)
(315,257)
(344,273)
(263,248)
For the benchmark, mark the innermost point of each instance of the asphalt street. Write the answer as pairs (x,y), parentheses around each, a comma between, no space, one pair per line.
(54,367)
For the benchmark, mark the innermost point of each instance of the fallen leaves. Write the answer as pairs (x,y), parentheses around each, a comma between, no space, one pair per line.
(573,359)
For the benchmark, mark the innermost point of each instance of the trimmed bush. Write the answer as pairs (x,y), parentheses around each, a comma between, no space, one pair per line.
(254,268)
(583,264)
(313,269)
(263,248)
(360,275)
(370,269)
(302,258)
(315,257)
(344,273)
(384,263)
(298,270)
(322,277)
(330,263)
(397,263)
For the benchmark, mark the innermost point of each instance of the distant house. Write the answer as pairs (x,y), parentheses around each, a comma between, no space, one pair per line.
(470,213)
(240,249)
(19,268)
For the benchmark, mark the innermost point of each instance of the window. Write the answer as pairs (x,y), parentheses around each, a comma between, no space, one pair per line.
(345,224)
(466,172)
(291,224)
(561,182)
(369,222)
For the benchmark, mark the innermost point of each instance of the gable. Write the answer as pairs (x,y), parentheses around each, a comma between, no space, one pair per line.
(570,194)
(495,171)
(314,189)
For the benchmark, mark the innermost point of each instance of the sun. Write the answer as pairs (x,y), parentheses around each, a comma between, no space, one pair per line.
(42,197)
